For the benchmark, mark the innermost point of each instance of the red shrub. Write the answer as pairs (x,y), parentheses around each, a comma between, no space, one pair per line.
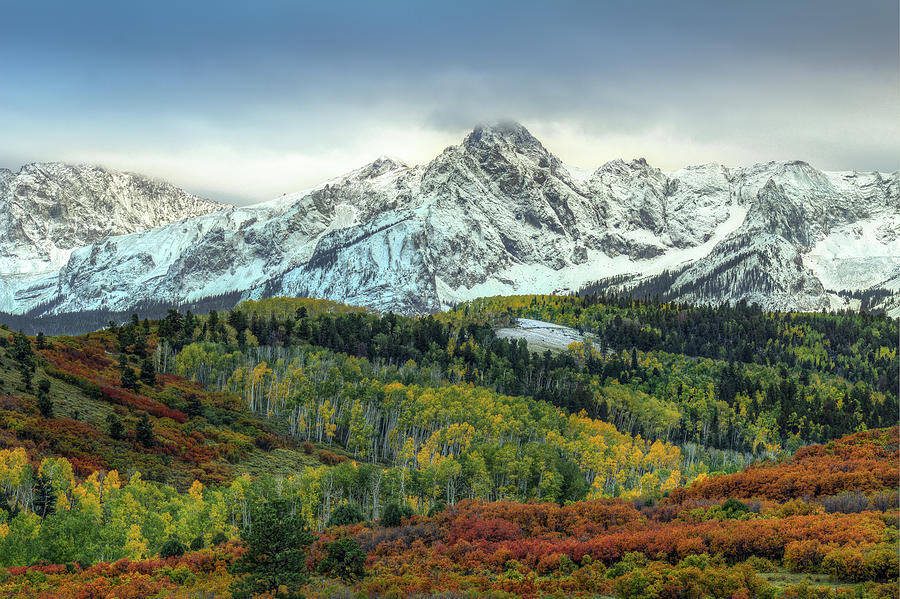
(329,458)
(493,530)
(141,402)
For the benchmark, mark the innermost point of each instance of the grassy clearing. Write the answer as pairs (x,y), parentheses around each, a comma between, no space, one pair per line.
(784,578)
(278,462)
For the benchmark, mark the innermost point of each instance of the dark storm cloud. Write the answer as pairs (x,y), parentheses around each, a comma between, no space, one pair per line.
(247,100)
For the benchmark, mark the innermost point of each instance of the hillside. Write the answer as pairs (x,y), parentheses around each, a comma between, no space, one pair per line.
(667,444)
(195,434)
(840,544)
(737,382)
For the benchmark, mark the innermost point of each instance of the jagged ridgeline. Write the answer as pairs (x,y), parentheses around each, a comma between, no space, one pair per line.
(668,286)
(496,214)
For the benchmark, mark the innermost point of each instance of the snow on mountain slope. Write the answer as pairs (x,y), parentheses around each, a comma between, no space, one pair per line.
(761,262)
(235,249)
(500,214)
(857,255)
(47,210)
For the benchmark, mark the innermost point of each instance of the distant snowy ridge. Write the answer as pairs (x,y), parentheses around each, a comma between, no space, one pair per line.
(48,210)
(499,214)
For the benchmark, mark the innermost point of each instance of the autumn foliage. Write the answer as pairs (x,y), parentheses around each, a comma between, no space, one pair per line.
(466,467)
(690,544)
(84,374)
(864,462)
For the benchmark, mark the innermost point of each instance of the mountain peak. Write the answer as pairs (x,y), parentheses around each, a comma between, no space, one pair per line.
(54,166)
(381,165)
(494,214)
(770,188)
(506,132)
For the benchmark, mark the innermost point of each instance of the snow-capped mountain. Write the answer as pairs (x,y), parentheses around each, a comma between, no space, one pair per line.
(47,210)
(500,214)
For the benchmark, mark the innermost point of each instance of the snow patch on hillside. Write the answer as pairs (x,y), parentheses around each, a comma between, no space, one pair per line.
(540,335)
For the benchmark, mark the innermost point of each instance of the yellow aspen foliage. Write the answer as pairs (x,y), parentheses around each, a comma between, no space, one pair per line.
(196,490)
(135,543)
(673,480)
(111,480)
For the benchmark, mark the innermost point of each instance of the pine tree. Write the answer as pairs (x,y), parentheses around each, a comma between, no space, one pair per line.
(237,320)
(126,337)
(171,326)
(172,548)
(44,403)
(194,408)
(116,430)
(129,378)
(148,372)
(394,514)
(344,559)
(44,501)
(140,345)
(26,374)
(24,357)
(188,328)
(143,432)
(22,351)
(276,545)
(346,514)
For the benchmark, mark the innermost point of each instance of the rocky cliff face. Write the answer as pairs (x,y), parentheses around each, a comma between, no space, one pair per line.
(500,214)
(47,210)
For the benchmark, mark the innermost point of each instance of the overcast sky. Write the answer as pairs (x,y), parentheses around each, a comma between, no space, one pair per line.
(245,101)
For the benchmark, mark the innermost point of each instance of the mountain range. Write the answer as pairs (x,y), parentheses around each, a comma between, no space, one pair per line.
(496,214)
